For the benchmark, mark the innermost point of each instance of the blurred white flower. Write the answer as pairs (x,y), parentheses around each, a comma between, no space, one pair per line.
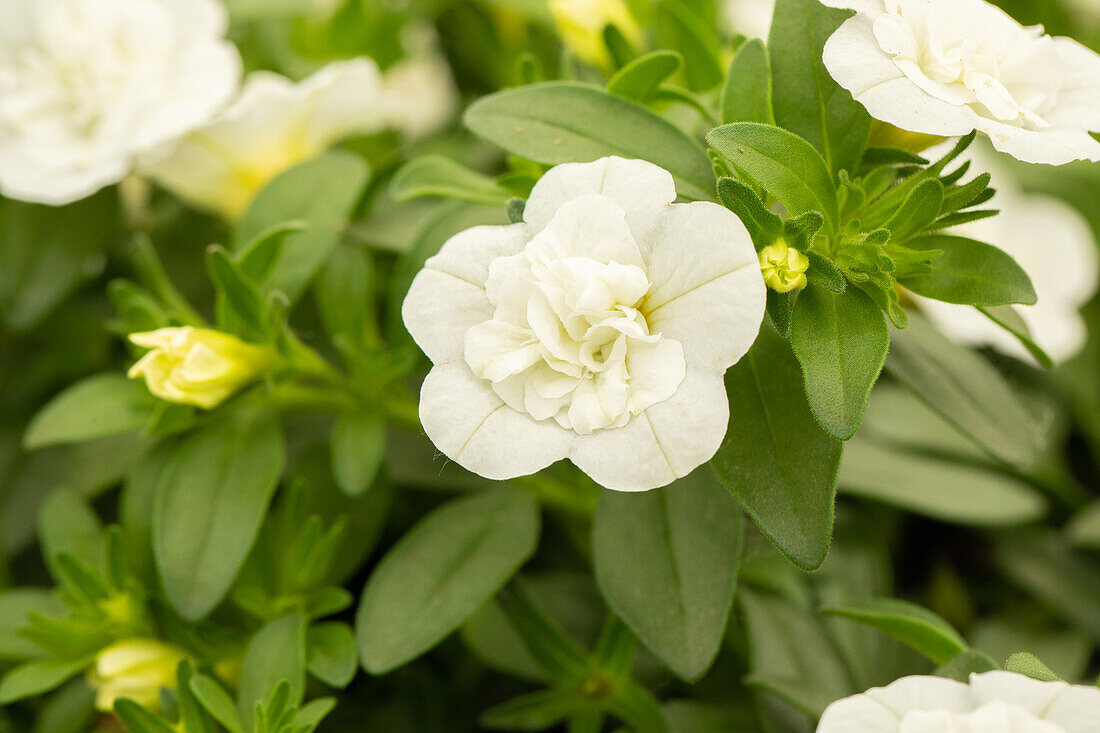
(597,329)
(752,18)
(85,85)
(1054,244)
(277,124)
(274,125)
(993,701)
(946,67)
(419,95)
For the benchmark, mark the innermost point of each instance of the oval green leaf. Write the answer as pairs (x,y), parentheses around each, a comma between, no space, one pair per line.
(564,122)
(441,572)
(666,561)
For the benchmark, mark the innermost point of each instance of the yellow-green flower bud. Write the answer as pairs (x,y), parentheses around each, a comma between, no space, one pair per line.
(581,25)
(197,366)
(784,267)
(136,669)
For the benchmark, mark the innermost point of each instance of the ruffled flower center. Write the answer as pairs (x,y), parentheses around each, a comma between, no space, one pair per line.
(972,54)
(569,338)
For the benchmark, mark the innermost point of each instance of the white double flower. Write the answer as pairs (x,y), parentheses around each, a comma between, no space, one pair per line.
(993,701)
(947,67)
(88,85)
(597,329)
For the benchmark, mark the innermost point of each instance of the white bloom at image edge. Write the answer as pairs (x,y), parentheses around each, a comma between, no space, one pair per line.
(1055,246)
(86,85)
(992,702)
(598,329)
(947,67)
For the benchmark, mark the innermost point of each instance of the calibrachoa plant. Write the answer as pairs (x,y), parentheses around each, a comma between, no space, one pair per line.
(379,366)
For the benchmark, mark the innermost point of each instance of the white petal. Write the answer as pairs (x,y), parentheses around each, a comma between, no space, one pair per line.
(345,99)
(1051,146)
(707,291)
(1022,691)
(25,178)
(496,350)
(923,693)
(854,59)
(466,420)
(196,18)
(591,226)
(1077,710)
(858,713)
(640,188)
(656,371)
(1079,97)
(666,442)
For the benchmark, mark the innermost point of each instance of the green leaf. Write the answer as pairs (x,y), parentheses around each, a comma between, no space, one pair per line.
(967,391)
(764,226)
(1010,320)
(312,713)
(563,122)
(807,100)
(16,604)
(34,678)
(67,524)
(277,652)
(441,572)
(216,701)
(211,499)
(438,175)
(330,653)
(47,251)
(666,562)
(191,714)
(747,93)
(964,664)
(237,294)
(909,623)
(358,440)
(139,720)
(322,192)
(638,79)
(345,296)
(1064,581)
(920,209)
(970,273)
(1084,528)
(783,163)
(841,343)
(776,459)
(258,258)
(1030,665)
(682,29)
(69,710)
(106,404)
(556,654)
(946,490)
(791,653)
(533,711)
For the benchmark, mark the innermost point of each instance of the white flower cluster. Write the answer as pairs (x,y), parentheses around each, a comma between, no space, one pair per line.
(597,329)
(947,67)
(993,701)
(92,90)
